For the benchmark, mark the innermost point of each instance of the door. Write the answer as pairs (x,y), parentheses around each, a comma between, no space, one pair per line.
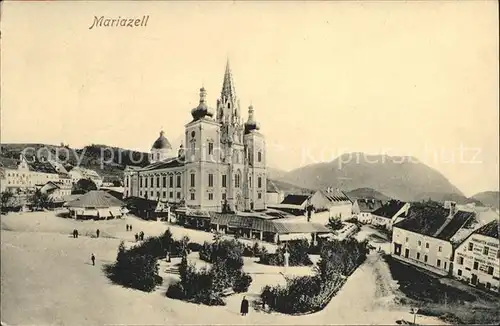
(407,253)
(473,280)
(397,249)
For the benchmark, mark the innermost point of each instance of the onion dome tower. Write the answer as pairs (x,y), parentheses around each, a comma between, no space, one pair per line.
(202,110)
(251,124)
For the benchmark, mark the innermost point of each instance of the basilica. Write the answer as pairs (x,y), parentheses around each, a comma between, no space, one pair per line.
(222,165)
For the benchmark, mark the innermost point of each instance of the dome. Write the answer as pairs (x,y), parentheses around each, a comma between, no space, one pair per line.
(251,124)
(202,109)
(162,142)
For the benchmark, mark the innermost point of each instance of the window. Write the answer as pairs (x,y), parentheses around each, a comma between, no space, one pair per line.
(476,265)
(210,148)
(419,243)
(192,196)
(459,272)
(164,181)
(259,156)
(126,181)
(440,249)
(444,265)
(192,180)
(158,156)
(146,182)
(425,258)
(210,180)
(171,181)
(164,194)
(157,182)
(438,263)
(171,194)
(427,244)
(237,180)
(224,196)
(157,194)
(486,250)
(490,270)
(406,240)
(178,181)
(152,193)
(140,193)
(210,196)
(224,181)
(178,195)
(471,246)
(418,256)
(259,195)
(460,260)
(152,181)
(259,182)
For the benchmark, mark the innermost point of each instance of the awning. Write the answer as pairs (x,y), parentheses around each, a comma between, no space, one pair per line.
(104,212)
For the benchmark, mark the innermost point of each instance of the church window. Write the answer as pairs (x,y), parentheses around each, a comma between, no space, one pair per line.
(152,181)
(157,182)
(224,181)
(140,193)
(259,156)
(171,181)
(259,195)
(164,181)
(178,195)
(237,180)
(192,180)
(210,148)
(210,196)
(164,194)
(259,182)
(158,156)
(192,196)
(145,182)
(178,181)
(171,194)
(210,180)
(152,193)
(127,181)
(157,194)
(228,105)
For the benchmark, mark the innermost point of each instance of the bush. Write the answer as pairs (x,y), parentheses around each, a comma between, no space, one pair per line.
(299,255)
(242,282)
(193,246)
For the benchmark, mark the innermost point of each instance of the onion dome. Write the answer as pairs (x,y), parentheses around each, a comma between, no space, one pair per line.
(251,124)
(202,110)
(162,142)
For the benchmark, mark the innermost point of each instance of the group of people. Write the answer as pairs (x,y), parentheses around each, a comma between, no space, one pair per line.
(75,233)
(139,236)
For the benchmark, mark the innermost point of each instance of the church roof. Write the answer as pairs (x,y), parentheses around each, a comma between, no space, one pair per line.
(162,142)
(228,88)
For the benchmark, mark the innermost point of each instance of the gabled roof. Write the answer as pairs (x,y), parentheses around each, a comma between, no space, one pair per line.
(169,163)
(389,209)
(97,199)
(489,230)
(271,187)
(336,196)
(43,167)
(368,205)
(295,199)
(452,226)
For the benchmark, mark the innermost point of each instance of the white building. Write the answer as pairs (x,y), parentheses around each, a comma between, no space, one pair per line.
(390,213)
(477,258)
(330,203)
(77,173)
(362,209)
(274,195)
(223,164)
(424,238)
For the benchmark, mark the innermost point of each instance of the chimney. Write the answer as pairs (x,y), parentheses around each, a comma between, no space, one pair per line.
(452,209)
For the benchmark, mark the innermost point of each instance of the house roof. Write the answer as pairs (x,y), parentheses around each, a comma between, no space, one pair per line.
(271,187)
(389,209)
(489,230)
(295,199)
(434,220)
(336,196)
(368,205)
(8,163)
(95,198)
(169,163)
(43,167)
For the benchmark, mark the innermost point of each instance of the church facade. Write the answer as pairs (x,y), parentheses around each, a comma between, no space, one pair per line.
(222,163)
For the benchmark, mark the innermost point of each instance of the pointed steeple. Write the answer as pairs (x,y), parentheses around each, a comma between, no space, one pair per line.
(228,90)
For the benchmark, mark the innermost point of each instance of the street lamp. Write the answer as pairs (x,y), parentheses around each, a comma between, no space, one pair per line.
(414,311)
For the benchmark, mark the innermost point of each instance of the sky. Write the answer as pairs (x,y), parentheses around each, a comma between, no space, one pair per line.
(398,78)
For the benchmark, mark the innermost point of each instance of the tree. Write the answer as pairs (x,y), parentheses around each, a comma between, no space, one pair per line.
(6,197)
(334,223)
(39,199)
(83,186)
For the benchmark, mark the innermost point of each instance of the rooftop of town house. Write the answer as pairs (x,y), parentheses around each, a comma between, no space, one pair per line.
(368,205)
(8,163)
(42,167)
(489,230)
(296,200)
(335,196)
(389,209)
(271,187)
(434,220)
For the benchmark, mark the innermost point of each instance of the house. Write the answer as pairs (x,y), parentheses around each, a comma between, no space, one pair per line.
(362,209)
(390,213)
(477,258)
(56,191)
(424,237)
(293,204)
(149,209)
(77,173)
(330,203)
(96,204)
(273,194)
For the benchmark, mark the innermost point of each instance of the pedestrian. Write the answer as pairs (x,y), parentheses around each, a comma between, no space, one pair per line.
(93,259)
(130,227)
(141,235)
(76,233)
(168,257)
(97,233)
(136,237)
(244,306)
(127,227)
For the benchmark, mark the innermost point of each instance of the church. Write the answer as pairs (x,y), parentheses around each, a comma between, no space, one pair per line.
(222,165)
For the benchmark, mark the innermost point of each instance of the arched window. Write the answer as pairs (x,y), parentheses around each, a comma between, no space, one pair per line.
(237,180)
(228,105)
(259,156)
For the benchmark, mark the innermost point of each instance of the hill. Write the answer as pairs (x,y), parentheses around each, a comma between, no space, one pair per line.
(403,178)
(442,197)
(368,193)
(488,198)
(287,188)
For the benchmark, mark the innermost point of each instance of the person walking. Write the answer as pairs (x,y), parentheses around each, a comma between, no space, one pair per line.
(141,235)
(136,237)
(130,227)
(127,227)
(244,306)
(76,233)
(93,259)
(97,233)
